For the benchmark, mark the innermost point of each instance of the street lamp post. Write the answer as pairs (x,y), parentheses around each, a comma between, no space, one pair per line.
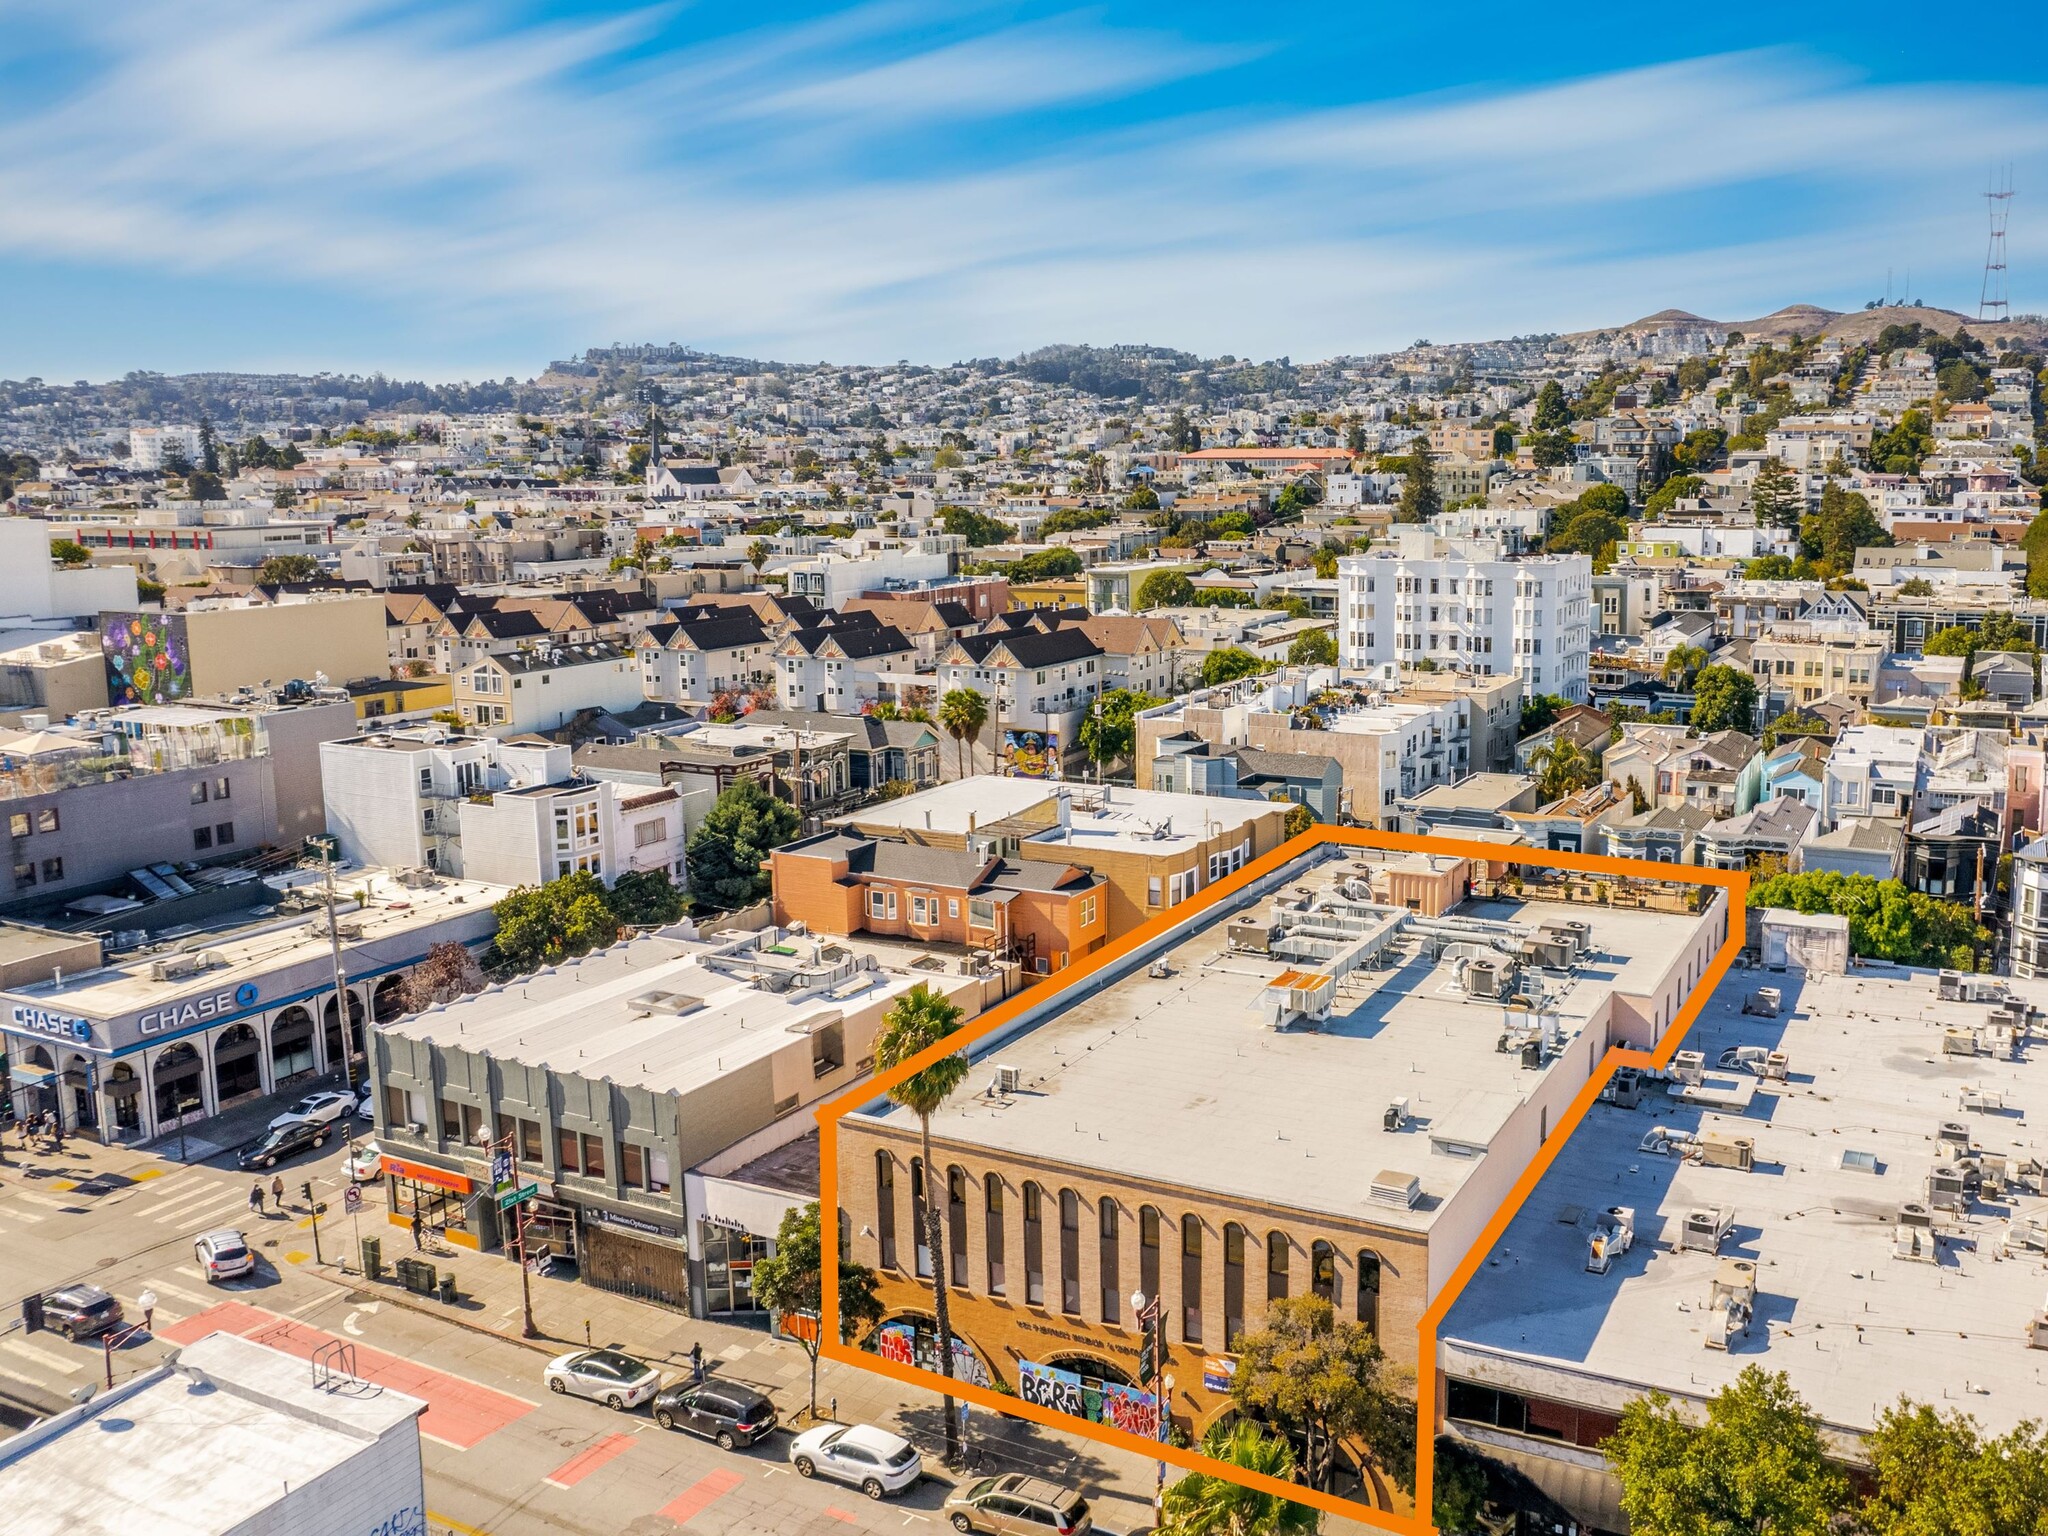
(1152,1371)
(527,1330)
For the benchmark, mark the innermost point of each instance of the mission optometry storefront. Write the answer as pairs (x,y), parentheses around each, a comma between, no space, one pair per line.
(134,1050)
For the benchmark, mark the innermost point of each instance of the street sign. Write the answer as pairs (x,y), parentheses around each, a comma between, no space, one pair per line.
(325,847)
(518,1196)
(352,1199)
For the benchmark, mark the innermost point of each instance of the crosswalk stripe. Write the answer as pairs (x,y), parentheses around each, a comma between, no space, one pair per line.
(44,1355)
(29,1216)
(203,1213)
(37,1197)
(163,1287)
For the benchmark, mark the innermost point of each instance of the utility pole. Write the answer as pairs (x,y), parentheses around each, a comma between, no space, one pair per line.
(510,1146)
(325,846)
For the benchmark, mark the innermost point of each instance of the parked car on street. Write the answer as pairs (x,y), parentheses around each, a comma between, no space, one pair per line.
(282,1141)
(724,1411)
(223,1255)
(366,1107)
(873,1460)
(1017,1505)
(365,1162)
(322,1108)
(604,1375)
(80,1311)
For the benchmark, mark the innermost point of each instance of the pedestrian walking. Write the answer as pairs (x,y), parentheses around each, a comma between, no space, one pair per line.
(697,1364)
(256,1197)
(147,1301)
(417,1224)
(277,1191)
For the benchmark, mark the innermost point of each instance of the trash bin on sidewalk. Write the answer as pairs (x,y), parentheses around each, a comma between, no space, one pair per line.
(416,1275)
(373,1258)
(447,1287)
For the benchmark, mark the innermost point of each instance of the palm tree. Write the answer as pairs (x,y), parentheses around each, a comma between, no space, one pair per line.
(962,714)
(1201,1505)
(1683,664)
(918,1019)
(1562,767)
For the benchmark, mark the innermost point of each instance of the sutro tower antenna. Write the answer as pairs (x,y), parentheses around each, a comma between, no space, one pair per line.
(1991,299)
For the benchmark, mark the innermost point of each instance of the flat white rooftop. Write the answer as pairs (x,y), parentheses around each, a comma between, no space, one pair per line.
(176,1453)
(959,806)
(1179,1079)
(1112,819)
(1852,1325)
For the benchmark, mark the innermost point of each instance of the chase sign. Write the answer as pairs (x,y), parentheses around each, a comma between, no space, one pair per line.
(42,1022)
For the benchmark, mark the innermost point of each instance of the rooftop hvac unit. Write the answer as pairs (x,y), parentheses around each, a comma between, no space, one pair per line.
(1914,1243)
(1252,935)
(1720,1150)
(1396,1115)
(1764,1002)
(1669,1140)
(1959,1042)
(1624,1090)
(1392,1187)
(1952,1133)
(1532,1055)
(2026,1234)
(1483,978)
(1744,1058)
(1689,1068)
(1914,1214)
(1777,1066)
(1945,1189)
(1705,1229)
(1731,1303)
(1950,986)
(1613,1235)
(1984,1100)
(1009,1079)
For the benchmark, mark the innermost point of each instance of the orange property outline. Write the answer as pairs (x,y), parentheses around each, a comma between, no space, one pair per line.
(1735,883)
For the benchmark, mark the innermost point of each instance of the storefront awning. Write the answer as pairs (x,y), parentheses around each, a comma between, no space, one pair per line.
(29,1075)
(420,1173)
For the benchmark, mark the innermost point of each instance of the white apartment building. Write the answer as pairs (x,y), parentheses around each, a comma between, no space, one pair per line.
(1463,605)
(1871,771)
(426,796)
(33,591)
(695,659)
(830,579)
(147,446)
(543,689)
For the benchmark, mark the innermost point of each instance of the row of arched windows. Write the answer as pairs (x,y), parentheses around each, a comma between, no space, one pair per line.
(1276,1248)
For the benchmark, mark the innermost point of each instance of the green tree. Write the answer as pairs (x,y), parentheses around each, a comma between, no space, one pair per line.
(1723,699)
(647,898)
(1315,648)
(1563,767)
(1165,589)
(1552,450)
(282,570)
(1790,724)
(1914,586)
(1901,450)
(727,854)
(1955,640)
(1668,495)
(1540,710)
(1937,1474)
(1109,731)
(1756,1467)
(791,1281)
(204,485)
(1142,499)
(1420,498)
(2035,543)
(1201,1505)
(69,552)
(1552,412)
(978,527)
(1298,820)
(1843,525)
(1887,921)
(1228,664)
(1683,664)
(1775,497)
(917,1021)
(540,925)
(962,714)
(1077,519)
(1323,1380)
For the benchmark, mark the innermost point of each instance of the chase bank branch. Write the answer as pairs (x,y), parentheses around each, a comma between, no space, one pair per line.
(134,1042)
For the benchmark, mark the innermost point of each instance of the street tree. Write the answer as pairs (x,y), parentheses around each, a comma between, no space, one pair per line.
(963,712)
(918,1020)
(1323,1380)
(1201,1505)
(791,1281)
(1723,699)
(1756,1467)
(727,854)
(1934,1474)
(1108,733)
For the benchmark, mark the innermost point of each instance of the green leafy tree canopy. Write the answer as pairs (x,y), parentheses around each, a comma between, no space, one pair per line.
(727,854)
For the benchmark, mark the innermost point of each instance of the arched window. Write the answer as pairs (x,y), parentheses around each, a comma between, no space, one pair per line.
(1148,1252)
(1369,1289)
(1233,1284)
(992,1228)
(1191,1279)
(1070,1253)
(1322,1270)
(1276,1266)
(885,1208)
(1106,1232)
(237,1063)
(920,1229)
(956,1225)
(1034,1245)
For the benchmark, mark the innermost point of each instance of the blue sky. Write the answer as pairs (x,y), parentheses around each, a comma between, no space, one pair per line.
(453,191)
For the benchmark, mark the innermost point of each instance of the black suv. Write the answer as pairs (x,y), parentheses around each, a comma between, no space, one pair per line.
(81,1311)
(282,1141)
(724,1411)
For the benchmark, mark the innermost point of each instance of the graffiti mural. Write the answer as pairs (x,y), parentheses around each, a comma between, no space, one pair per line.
(913,1343)
(148,661)
(1099,1402)
(1032,754)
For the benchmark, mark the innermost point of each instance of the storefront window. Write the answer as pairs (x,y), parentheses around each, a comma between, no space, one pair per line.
(729,1257)
(440,1210)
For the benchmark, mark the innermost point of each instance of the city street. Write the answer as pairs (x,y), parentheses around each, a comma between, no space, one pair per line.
(504,1457)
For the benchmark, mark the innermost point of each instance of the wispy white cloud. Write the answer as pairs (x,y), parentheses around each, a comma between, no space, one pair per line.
(727,192)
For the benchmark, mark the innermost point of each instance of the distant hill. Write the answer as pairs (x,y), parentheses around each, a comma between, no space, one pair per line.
(1854,326)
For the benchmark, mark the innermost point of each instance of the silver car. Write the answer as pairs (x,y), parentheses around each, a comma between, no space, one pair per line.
(616,1380)
(223,1255)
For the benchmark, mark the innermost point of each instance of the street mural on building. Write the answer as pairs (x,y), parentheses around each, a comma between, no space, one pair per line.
(148,660)
(1084,1397)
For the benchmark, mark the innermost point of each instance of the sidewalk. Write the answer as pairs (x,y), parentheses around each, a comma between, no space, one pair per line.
(571,1315)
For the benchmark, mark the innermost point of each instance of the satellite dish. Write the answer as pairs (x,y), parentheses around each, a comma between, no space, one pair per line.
(83,1395)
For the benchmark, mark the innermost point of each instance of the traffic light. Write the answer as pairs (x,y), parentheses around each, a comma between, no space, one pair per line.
(1148,1349)
(32,1314)
(306,1189)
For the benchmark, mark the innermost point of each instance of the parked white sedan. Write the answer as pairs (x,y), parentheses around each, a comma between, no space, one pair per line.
(604,1375)
(320,1108)
(873,1460)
